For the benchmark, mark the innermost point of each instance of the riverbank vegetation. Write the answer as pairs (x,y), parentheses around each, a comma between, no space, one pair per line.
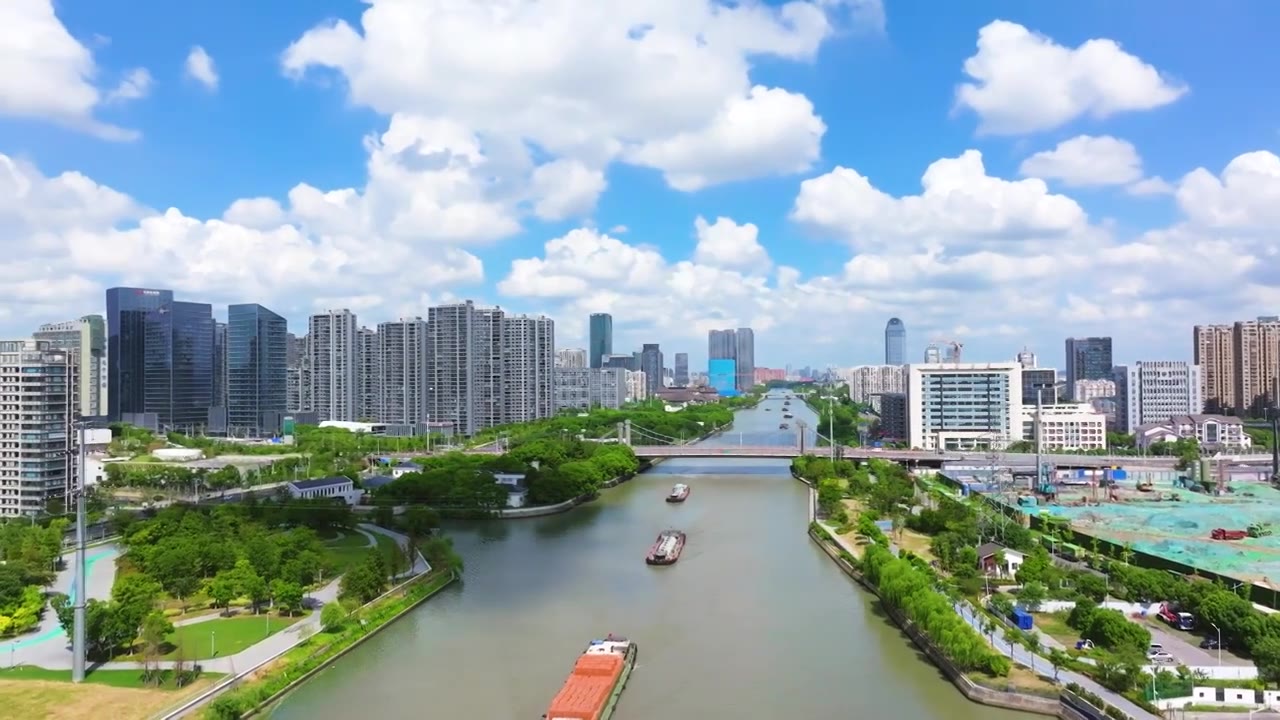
(29,556)
(555,469)
(651,424)
(880,494)
(31,692)
(342,629)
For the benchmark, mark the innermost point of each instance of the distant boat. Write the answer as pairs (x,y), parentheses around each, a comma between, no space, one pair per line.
(666,550)
(592,690)
(679,493)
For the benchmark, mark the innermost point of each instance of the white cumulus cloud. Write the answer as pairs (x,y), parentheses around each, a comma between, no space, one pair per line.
(1085,161)
(1024,82)
(45,73)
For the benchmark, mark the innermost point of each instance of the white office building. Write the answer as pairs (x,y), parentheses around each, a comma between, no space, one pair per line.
(1065,427)
(964,406)
(1154,391)
(85,341)
(586,388)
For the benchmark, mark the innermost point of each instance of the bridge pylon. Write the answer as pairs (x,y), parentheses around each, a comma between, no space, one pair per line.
(624,431)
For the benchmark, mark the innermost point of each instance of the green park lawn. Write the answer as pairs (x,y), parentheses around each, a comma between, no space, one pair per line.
(222,637)
(112,678)
(352,547)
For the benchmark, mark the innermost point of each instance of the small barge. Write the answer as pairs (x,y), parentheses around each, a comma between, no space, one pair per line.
(679,493)
(666,550)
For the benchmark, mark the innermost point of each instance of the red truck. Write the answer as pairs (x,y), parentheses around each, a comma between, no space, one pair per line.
(1224,534)
(1180,620)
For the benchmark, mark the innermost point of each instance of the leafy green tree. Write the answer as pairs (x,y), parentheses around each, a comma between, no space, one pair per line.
(222,589)
(288,596)
(1032,594)
(332,617)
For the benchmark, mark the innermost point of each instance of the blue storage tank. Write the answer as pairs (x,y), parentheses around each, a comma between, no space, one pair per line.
(1022,619)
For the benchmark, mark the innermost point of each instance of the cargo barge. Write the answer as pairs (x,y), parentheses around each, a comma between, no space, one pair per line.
(596,683)
(666,550)
(679,493)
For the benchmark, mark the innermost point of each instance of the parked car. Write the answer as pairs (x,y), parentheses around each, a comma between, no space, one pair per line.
(1212,644)
(1084,644)
(1160,656)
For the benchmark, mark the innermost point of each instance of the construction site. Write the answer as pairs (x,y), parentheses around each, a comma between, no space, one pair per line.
(1212,517)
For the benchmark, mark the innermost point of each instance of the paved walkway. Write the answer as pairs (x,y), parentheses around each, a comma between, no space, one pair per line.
(1020,656)
(49,641)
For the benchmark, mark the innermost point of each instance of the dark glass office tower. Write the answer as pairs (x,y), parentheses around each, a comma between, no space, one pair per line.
(1088,359)
(651,364)
(895,342)
(129,312)
(257,369)
(191,367)
(601,340)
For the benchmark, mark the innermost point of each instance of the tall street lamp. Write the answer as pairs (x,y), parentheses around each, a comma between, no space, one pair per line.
(1215,627)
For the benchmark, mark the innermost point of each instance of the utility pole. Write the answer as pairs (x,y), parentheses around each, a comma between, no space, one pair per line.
(1275,443)
(1039,435)
(831,428)
(81,577)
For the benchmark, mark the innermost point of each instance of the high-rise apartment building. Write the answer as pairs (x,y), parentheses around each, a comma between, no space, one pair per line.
(637,386)
(737,345)
(257,370)
(1089,390)
(587,388)
(651,366)
(465,367)
(1257,371)
(368,375)
(528,373)
(1027,359)
(680,374)
(571,358)
(38,406)
(299,374)
(85,340)
(1155,391)
(867,383)
(745,358)
(932,354)
(964,406)
(402,359)
(1088,359)
(1215,354)
(334,341)
(895,342)
(600,341)
(159,359)
(1239,366)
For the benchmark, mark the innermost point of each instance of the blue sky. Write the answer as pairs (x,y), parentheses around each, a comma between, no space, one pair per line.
(1002,267)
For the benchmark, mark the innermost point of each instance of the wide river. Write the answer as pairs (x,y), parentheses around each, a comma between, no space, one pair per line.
(753,623)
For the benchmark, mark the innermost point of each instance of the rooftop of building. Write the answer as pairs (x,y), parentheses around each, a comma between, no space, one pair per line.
(321,482)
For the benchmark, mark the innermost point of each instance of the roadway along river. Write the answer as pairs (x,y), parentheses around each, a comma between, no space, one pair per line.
(753,623)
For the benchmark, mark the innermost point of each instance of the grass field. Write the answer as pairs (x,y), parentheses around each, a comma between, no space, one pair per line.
(223,637)
(30,692)
(351,548)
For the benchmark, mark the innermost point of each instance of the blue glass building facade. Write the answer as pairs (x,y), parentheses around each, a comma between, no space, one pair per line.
(600,342)
(130,312)
(257,360)
(159,357)
(722,375)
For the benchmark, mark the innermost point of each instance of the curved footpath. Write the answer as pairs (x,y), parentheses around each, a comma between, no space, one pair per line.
(1021,656)
(47,646)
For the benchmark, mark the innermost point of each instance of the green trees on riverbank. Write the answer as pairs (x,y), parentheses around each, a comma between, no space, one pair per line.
(688,423)
(555,469)
(910,588)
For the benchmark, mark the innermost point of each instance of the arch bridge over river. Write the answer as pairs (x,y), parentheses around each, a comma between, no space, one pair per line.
(754,623)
